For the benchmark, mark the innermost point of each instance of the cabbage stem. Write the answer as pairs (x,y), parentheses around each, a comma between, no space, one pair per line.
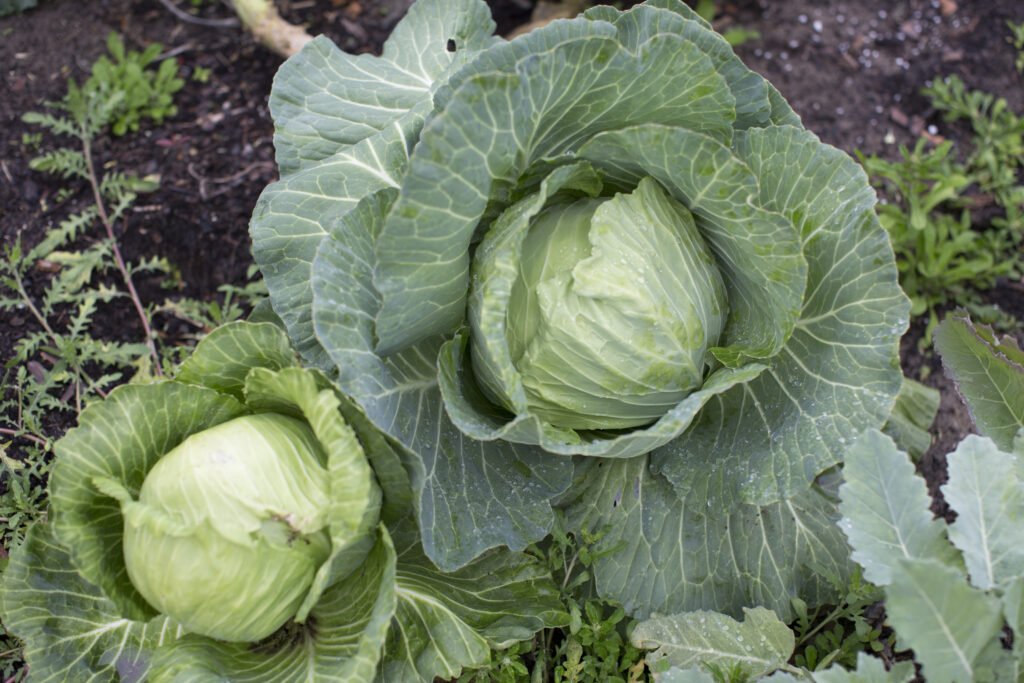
(261,18)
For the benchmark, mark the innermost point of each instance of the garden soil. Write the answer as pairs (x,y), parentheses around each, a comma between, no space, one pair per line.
(852,69)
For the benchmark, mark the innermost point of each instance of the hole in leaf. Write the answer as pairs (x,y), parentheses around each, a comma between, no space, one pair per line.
(451,45)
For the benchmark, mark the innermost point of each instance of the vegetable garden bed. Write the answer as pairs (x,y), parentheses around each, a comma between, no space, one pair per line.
(853,72)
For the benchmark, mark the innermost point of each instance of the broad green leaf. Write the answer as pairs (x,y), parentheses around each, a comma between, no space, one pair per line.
(121,438)
(445,622)
(838,373)
(294,215)
(637,25)
(345,128)
(885,508)
(666,554)
(759,644)
(869,670)
(914,412)
(989,372)
(944,620)
(70,630)
(324,99)
(224,357)
(572,80)
(469,495)
(988,498)
(342,642)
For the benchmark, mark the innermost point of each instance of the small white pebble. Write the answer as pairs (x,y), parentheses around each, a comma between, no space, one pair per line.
(802,18)
(882,14)
(794,44)
(817,26)
(889,138)
(933,129)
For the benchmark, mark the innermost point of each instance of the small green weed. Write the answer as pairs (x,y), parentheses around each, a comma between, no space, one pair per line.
(708,10)
(142,92)
(941,257)
(1017,40)
(593,648)
(837,636)
(944,254)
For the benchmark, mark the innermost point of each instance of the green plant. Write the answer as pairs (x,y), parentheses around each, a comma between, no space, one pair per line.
(942,257)
(252,456)
(989,372)
(1017,40)
(391,251)
(949,588)
(136,91)
(997,156)
(708,10)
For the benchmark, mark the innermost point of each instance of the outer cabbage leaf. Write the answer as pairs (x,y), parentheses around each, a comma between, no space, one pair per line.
(70,630)
(837,374)
(944,620)
(469,495)
(345,128)
(445,622)
(663,553)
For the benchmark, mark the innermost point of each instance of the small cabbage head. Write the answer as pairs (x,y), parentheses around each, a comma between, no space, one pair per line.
(615,305)
(231,526)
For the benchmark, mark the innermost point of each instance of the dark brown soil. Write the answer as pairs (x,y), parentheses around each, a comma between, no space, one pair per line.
(853,69)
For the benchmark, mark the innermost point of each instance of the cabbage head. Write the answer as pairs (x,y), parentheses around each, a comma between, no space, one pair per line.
(601,268)
(246,522)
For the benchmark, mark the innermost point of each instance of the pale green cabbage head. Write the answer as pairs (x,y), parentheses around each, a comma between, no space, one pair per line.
(231,526)
(615,305)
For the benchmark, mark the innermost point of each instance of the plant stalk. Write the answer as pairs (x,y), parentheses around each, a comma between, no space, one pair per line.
(269,28)
(118,258)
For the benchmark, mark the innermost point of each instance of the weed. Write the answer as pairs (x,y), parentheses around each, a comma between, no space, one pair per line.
(1017,40)
(944,255)
(140,92)
(825,637)
(593,648)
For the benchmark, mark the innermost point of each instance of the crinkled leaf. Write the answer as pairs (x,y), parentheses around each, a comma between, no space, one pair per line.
(445,622)
(470,495)
(121,438)
(989,372)
(988,498)
(342,642)
(70,630)
(758,645)
(838,373)
(324,100)
(662,553)
(294,215)
(224,357)
(944,620)
(885,508)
